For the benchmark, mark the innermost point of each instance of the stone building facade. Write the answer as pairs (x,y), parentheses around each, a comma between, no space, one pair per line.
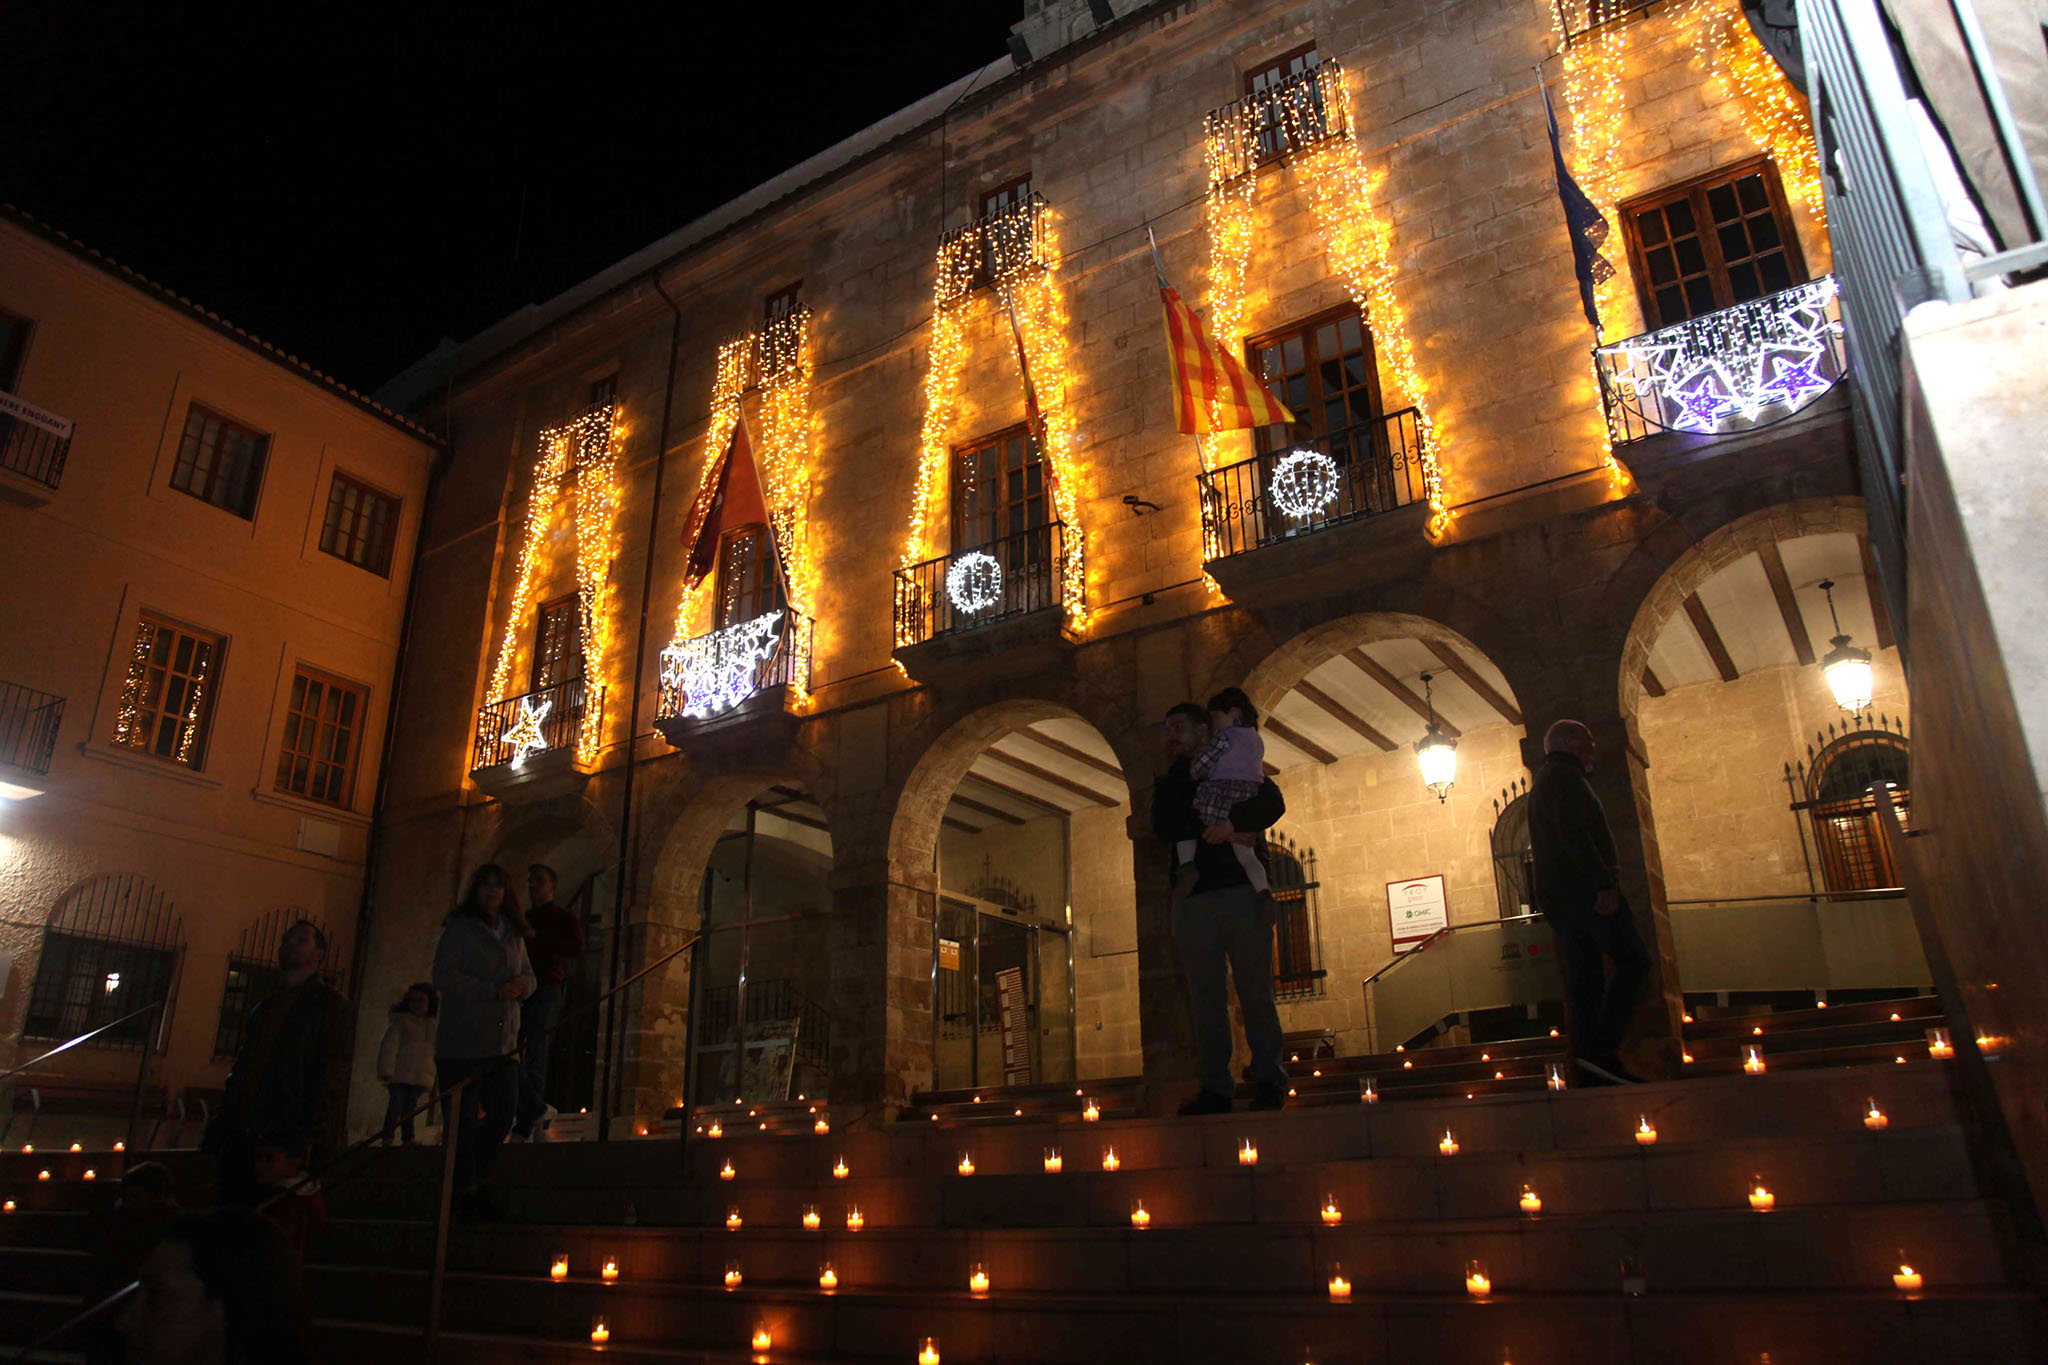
(964,767)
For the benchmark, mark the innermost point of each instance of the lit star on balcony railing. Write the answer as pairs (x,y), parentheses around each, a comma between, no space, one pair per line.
(716,672)
(522,734)
(1733,368)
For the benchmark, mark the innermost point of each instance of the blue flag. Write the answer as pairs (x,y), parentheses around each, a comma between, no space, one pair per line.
(1588,229)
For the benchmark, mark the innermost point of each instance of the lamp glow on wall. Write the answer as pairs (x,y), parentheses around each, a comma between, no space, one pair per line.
(1436,751)
(1846,667)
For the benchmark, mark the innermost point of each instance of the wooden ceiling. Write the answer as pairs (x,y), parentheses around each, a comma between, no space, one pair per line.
(1053,767)
(1370,699)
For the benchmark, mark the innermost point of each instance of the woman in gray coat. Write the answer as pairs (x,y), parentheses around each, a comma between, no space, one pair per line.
(481,971)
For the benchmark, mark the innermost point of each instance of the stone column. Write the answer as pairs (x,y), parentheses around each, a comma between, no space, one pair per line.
(881,1000)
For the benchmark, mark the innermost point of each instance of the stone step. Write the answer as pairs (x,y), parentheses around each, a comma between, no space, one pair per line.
(1919,1010)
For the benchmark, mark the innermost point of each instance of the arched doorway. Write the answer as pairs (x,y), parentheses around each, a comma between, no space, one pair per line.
(1514,857)
(1850,843)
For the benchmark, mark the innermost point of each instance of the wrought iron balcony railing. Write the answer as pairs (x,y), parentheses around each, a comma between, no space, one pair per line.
(33,441)
(997,246)
(1580,19)
(512,732)
(1359,471)
(715,672)
(28,727)
(1268,124)
(1013,576)
(1742,367)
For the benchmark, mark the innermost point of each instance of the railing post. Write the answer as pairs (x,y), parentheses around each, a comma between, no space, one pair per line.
(155,1016)
(451,1129)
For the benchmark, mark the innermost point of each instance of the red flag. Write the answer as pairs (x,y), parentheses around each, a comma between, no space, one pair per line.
(1034,422)
(1212,389)
(736,500)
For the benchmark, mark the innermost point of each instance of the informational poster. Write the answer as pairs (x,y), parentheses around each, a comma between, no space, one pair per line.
(1016,1026)
(1415,910)
(949,954)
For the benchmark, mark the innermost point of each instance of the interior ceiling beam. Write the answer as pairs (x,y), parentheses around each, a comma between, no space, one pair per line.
(1016,794)
(1651,684)
(807,821)
(1873,587)
(1047,775)
(1469,675)
(980,808)
(1788,605)
(1374,669)
(1309,692)
(961,825)
(1060,746)
(1295,739)
(1703,624)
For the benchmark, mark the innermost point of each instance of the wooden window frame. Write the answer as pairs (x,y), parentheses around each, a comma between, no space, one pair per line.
(986,201)
(721,614)
(311,750)
(604,392)
(1305,428)
(1696,189)
(194,734)
(540,618)
(213,492)
(1000,436)
(1278,148)
(333,533)
(789,297)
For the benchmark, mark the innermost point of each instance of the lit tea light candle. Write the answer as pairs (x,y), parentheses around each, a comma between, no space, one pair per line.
(1054,1162)
(928,1352)
(1140,1218)
(120,1146)
(8,1207)
(732,1219)
(839,1168)
(1449,1145)
(715,1130)
(1332,1215)
(559,1271)
(977,1281)
(1875,1119)
(1407,1066)
(1938,1045)
(1368,1091)
(1090,1112)
(726,1172)
(966,1164)
(762,1341)
(811,1220)
(1906,1278)
(828,1278)
(854,1222)
(600,1332)
(1685,1057)
(42,1175)
(1248,1153)
(1340,1287)
(1477,1282)
(1752,1059)
(1760,1196)
(1646,1131)
(28,1148)
(1531,1201)
(732,1275)
(76,1148)
(822,1126)
(1109,1160)
(91,1174)
(611,1266)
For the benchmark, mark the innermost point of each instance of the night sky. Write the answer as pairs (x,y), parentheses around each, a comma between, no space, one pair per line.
(354,192)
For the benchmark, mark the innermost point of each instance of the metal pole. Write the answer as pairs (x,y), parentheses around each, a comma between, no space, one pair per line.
(155,1015)
(2009,146)
(739,994)
(692,1063)
(451,1128)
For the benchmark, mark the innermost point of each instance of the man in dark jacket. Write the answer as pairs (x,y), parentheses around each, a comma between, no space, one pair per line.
(556,943)
(1221,922)
(1580,894)
(292,1071)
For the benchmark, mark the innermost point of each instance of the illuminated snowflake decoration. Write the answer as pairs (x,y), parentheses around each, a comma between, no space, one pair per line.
(1304,484)
(974,583)
(1729,370)
(522,733)
(716,672)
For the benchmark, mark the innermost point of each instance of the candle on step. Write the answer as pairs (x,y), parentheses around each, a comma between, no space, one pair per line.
(611,1269)
(822,1126)
(560,1269)
(8,1207)
(839,1168)
(42,1175)
(600,1331)
(1531,1201)
(1874,1118)
(91,1174)
(1340,1287)
(1140,1218)
(1332,1215)
(1906,1278)
(1368,1091)
(854,1222)
(1449,1145)
(1090,1112)
(762,1341)
(1646,1131)
(1477,1282)
(76,1148)
(1554,1076)
(1109,1160)
(1248,1153)
(811,1218)
(1053,1161)
(1752,1059)
(928,1352)
(966,1164)
(977,1281)
(726,1172)
(1938,1045)
(828,1278)
(732,1275)
(1760,1196)
(715,1130)
(120,1146)
(732,1218)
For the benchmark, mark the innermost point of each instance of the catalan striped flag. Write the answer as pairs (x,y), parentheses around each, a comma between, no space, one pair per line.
(1212,390)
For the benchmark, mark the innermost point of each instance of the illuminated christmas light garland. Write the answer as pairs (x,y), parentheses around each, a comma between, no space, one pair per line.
(580,459)
(1773,112)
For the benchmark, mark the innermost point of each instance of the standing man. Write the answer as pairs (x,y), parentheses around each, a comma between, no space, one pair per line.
(292,1071)
(1580,894)
(1219,922)
(555,943)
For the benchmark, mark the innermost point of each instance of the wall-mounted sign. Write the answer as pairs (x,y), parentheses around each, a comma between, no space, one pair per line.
(1016,1026)
(949,954)
(1415,910)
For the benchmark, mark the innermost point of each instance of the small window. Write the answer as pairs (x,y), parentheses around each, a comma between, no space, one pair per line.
(557,643)
(220,462)
(998,490)
(361,525)
(14,331)
(1324,371)
(749,583)
(1276,138)
(1297,932)
(110,948)
(1712,243)
(322,733)
(603,391)
(782,304)
(166,704)
(1006,196)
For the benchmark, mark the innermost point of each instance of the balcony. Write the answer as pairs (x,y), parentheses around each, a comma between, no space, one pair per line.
(33,444)
(750,670)
(527,745)
(28,738)
(999,245)
(1006,595)
(1739,369)
(1267,125)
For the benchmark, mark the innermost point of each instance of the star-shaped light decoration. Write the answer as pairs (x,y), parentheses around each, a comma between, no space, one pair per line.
(522,734)
(1794,378)
(1702,405)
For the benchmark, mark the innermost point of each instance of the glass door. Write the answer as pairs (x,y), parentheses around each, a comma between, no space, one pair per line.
(993,976)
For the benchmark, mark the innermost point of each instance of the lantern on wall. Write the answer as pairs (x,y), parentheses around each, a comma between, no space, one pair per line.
(1846,667)
(1436,751)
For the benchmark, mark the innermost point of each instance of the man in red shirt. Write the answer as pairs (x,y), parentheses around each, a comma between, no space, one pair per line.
(555,941)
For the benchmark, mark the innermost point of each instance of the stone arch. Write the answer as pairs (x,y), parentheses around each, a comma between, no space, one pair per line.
(1294,659)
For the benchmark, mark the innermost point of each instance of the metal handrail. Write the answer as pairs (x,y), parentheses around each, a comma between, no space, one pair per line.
(1868,893)
(1441,933)
(12,1072)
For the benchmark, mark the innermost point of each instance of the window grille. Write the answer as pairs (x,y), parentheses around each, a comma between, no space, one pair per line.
(1834,780)
(111,946)
(1514,858)
(1297,935)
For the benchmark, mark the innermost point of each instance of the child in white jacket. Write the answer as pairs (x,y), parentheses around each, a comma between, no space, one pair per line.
(405,1059)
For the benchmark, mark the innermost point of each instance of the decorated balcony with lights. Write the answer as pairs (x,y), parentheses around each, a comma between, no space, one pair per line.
(727,677)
